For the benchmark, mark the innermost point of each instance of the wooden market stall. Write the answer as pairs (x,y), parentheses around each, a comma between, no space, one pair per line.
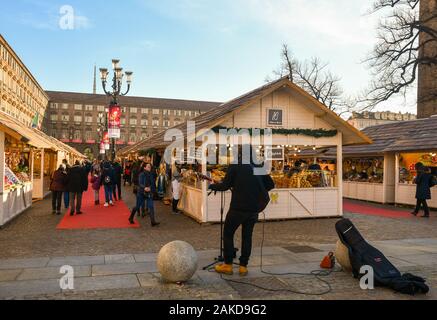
(298,122)
(384,171)
(28,157)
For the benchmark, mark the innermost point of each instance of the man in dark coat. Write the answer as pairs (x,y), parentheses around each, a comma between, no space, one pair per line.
(118,172)
(249,195)
(424,181)
(76,185)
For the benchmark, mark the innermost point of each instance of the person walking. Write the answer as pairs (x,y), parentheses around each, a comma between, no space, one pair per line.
(127,174)
(176,191)
(96,182)
(249,198)
(118,171)
(66,167)
(146,188)
(77,184)
(108,182)
(58,185)
(424,181)
(137,169)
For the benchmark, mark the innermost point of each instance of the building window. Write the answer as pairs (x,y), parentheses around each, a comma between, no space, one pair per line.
(88,119)
(54,106)
(78,107)
(133,110)
(155,111)
(77,135)
(166,123)
(155,122)
(133,137)
(88,135)
(65,117)
(144,122)
(89,107)
(77,118)
(178,112)
(123,136)
(133,121)
(144,135)
(65,106)
(54,117)
(64,134)
(101,108)
(144,111)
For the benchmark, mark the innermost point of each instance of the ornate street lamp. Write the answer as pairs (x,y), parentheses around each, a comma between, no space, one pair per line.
(117,83)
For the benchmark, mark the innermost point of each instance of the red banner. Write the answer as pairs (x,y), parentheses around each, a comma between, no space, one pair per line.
(114,121)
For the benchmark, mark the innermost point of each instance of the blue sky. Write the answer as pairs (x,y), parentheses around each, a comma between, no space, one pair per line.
(190,49)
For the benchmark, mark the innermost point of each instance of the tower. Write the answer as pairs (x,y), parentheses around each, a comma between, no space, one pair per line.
(427,74)
(95,80)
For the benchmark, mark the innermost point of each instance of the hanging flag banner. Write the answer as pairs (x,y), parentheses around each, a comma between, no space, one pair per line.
(114,121)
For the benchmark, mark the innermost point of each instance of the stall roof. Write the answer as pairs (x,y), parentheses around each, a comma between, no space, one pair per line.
(34,136)
(403,136)
(215,116)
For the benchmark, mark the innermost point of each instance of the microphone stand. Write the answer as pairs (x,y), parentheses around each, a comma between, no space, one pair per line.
(220,257)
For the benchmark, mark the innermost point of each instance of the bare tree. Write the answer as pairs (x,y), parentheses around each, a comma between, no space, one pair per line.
(403,36)
(314,77)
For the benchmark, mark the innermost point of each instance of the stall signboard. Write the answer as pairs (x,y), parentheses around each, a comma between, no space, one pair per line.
(102,147)
(272,154)
(275,117)
(114,121)
(106,140)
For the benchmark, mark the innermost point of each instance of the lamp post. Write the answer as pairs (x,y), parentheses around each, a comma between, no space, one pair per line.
(117,83)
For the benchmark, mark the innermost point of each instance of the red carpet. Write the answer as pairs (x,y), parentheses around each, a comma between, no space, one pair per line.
(375,210)
(98,217)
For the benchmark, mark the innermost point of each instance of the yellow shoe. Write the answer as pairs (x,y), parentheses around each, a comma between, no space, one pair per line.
(243,271)
(224,269)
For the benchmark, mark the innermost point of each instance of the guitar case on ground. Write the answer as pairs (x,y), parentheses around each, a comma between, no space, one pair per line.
(386,274)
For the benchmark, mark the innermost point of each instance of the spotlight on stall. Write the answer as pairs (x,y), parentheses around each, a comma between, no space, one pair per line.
(177,262)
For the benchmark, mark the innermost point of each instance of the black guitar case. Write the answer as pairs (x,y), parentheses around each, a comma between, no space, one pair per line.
(386,274)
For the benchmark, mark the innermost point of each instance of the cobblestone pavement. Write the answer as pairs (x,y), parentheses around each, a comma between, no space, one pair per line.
(135,277)
(34,234)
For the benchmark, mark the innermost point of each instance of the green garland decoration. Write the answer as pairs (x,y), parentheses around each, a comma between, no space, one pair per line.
(316,133)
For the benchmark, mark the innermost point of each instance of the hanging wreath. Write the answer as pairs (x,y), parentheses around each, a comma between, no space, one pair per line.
(316,133)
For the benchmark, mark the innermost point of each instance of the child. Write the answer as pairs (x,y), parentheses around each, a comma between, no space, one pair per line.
(96,183)
(176,187)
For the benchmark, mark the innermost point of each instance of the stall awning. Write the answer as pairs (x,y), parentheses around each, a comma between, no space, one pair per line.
(33,136)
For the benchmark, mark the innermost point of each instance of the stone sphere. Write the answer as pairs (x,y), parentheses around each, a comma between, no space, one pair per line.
(342,256)
(177,262)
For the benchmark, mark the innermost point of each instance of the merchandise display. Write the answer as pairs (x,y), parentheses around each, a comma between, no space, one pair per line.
(364,170)
(407,165)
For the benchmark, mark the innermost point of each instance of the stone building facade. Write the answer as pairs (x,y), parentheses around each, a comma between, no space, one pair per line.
(75,118)
(427,76)
(370,119)
(21,96)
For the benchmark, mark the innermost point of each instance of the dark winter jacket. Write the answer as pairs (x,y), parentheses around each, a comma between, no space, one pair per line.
(96,182)
(424,181)
(77,179)
(118,170)
(108,177)
(247,188)
(59,181)
(146,180)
